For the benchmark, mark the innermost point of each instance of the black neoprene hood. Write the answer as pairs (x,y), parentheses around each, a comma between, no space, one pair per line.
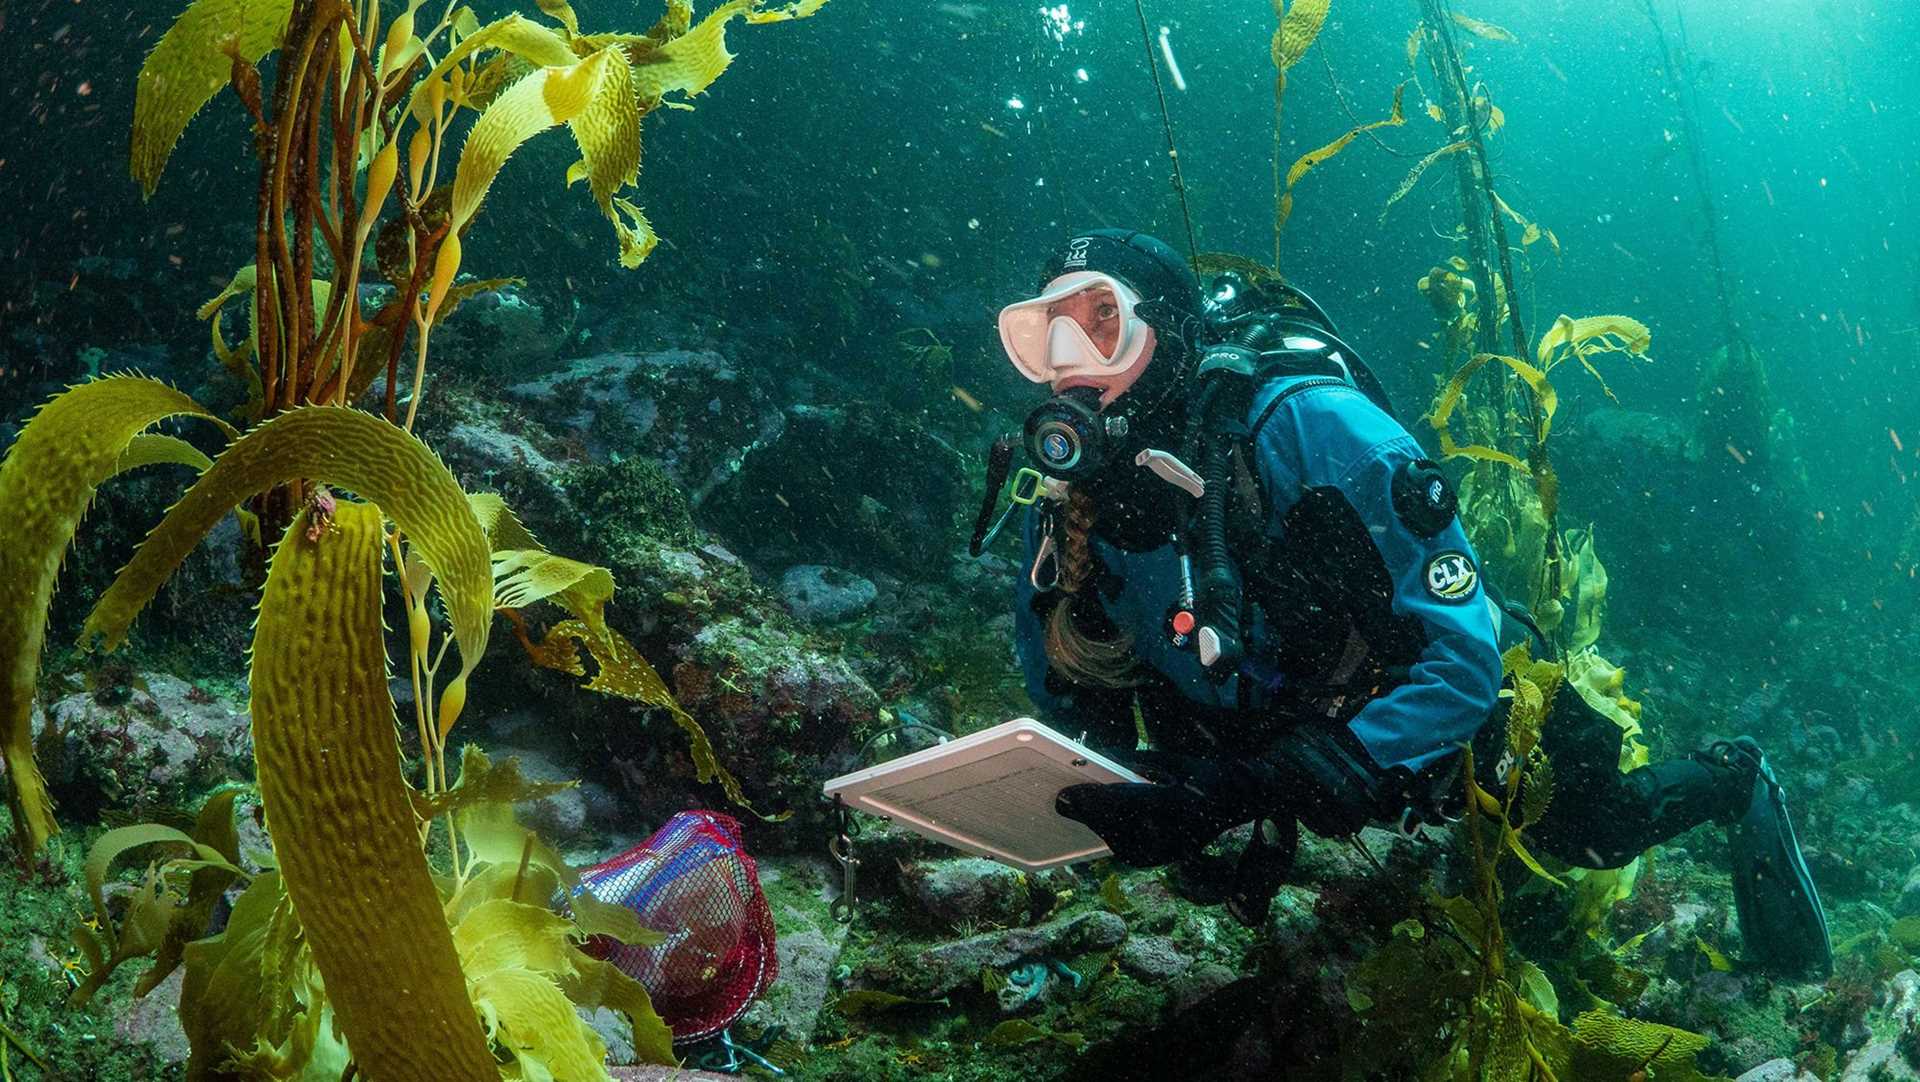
(1169,291)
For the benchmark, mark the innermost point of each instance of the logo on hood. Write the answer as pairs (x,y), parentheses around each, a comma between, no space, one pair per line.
(1077,252)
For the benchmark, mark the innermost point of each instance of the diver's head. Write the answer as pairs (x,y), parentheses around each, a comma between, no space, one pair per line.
(1112,330)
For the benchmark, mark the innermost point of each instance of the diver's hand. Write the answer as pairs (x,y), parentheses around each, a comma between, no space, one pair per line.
(1190,802)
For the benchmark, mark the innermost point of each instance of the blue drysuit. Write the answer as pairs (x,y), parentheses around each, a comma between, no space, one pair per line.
(1365,608)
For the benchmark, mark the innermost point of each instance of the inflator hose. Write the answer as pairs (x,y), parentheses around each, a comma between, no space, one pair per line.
(1219,587)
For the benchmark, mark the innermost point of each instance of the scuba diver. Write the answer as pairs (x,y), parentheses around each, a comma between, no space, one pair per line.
(1238,552)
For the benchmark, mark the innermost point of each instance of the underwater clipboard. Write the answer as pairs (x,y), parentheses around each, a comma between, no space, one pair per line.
(989,793)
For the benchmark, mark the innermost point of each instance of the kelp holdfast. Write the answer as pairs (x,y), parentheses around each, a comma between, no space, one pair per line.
(694,882)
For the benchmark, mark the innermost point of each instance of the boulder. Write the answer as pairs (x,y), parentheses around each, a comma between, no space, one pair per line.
(969,890)
(694,411)
(500,333)
(154,1020)
(855,487)
(1153,958)
(807,945)
(1879,1061)
(1777,1070)
(1903,1000)
(577,819)
(769,697)
(1908,904)
(141,740)
(667,1074)
(824,595)
(947,966)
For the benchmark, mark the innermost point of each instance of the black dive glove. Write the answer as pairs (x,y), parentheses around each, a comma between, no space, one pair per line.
(1189,802)
(1323,779)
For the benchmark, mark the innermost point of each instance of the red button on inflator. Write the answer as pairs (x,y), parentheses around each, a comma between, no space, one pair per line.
(1183,623)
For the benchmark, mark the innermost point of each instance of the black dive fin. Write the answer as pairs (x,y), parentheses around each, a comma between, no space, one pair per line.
(1780,917)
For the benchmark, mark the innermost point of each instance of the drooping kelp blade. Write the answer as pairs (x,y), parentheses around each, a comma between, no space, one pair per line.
(74,443)
(189,65)
(1545,398)
(1312,159)
(624,673)
(343,830)
(346,447)
(1413,175)
(545,98)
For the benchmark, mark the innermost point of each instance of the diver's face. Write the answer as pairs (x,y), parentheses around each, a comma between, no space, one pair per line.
(1097,311)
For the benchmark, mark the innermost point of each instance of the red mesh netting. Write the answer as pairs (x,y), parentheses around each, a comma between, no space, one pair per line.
(693,882)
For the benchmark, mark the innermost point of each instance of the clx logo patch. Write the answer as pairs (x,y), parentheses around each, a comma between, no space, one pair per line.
(1451,577)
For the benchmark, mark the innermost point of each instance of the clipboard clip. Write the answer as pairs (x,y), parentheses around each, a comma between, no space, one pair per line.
(840,848)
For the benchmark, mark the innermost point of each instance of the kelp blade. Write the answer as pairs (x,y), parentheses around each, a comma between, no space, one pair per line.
(189,65)
(73,444)
(355,450)
(332,788)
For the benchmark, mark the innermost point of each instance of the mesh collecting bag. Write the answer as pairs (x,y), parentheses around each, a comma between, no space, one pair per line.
(694,882)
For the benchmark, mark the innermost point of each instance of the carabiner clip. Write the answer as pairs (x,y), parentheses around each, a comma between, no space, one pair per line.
(1042,558)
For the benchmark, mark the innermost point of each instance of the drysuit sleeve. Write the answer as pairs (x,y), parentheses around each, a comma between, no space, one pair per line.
(1334,446)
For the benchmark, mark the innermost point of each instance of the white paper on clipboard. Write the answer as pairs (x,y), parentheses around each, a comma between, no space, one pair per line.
(990,793)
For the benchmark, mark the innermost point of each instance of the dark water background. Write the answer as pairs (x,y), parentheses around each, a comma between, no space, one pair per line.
(843,151)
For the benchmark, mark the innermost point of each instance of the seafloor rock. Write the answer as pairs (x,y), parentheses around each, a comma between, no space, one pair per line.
(487,458)
(1909,903)
(769,696)
(695,412)
(853,487)
(819,594)
(1777,1070)
(501,333)
(1153,958)
(1903,1000)
(143,741)
(1880,1061)
(1195,985)
(154,1020)
(969,889)
(577,819)
(946,966)
(667,1074)
(808,945)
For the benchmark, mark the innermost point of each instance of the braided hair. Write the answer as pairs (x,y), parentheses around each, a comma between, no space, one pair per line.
(1100,658)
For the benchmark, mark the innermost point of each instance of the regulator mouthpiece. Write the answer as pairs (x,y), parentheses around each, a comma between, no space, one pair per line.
(1068,437)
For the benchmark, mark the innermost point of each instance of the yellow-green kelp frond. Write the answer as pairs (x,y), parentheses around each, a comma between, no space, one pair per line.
(70,447)
(1314,158)
(1300,23)
(600,95)
(502,924)
(1606,1045)
(526,572)
(158,919)
(357,451)
(189,65)
(1545,397)
(343,830)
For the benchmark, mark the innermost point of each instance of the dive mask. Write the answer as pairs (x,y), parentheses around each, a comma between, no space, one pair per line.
(1052,336)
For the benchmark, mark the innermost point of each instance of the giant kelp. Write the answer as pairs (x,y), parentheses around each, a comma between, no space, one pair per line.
(353,936)
(351,89)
